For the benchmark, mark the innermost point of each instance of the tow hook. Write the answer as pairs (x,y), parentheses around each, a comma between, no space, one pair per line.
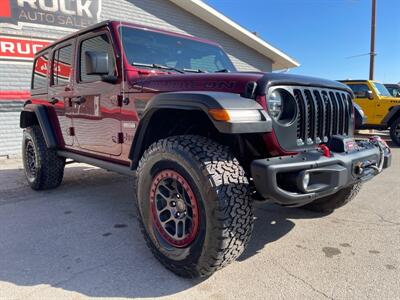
(361,166)
(383,149)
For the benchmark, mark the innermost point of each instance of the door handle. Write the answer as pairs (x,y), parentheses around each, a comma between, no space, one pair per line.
(78,100)
(54,100)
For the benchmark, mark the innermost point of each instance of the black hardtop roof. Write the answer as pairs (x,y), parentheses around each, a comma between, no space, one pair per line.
(353,80)
(75,34)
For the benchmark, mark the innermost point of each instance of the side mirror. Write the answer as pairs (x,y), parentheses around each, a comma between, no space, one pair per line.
(96,63)
(365,94)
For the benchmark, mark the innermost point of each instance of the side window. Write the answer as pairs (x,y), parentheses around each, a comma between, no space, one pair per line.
(40,72)
(359,90)
(62,64)
(100,43)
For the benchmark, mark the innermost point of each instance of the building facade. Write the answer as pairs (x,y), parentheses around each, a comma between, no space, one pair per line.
(28,25)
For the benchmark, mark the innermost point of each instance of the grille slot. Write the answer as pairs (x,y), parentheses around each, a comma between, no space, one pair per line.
(321,114)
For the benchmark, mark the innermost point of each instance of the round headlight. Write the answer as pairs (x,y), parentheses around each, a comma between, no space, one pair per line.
(275,102)
(282,106)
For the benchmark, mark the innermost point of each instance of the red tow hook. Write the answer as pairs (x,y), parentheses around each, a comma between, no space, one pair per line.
(325,150)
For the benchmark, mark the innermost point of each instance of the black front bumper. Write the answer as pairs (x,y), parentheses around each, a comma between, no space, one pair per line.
(280,179)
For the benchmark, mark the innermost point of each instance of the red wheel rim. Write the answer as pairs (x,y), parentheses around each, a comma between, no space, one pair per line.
(174,208)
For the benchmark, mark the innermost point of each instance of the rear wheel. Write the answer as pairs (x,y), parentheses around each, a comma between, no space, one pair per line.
(193,205)
(330,203)
(395,131)
(44,169)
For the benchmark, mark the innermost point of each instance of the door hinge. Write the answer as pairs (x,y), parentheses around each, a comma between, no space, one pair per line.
(119,100)
(71,131)
(122,101)
(120,137)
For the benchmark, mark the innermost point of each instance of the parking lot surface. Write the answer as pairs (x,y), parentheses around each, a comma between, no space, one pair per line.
(82,241)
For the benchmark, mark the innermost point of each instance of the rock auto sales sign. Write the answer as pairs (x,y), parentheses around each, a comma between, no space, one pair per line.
(60,13)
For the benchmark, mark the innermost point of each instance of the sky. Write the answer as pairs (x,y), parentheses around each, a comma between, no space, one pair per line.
(323,35)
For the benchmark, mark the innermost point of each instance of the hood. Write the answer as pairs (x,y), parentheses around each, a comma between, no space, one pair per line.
(235,82)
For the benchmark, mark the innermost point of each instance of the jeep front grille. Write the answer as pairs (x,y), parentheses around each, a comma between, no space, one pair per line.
(322,113)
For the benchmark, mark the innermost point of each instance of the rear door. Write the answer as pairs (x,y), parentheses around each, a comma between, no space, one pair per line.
(61,86)
(96,118)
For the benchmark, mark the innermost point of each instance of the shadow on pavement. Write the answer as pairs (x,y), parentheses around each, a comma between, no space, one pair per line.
(83,237)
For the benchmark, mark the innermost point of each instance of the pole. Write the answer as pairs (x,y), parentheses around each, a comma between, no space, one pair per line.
(372,52)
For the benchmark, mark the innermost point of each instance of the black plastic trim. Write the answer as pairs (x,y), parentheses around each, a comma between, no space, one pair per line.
(122,169)
(201,101)
(43,120)
(273,79)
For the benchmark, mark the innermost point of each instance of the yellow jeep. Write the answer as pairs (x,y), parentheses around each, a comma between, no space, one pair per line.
(380,107)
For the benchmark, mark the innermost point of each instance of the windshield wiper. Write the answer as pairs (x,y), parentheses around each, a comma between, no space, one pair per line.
(194,71)
(222,71)
(157,66)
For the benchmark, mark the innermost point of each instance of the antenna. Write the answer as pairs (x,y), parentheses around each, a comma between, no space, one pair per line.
(122,60)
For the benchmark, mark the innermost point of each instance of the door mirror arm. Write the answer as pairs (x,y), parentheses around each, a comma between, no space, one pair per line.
(109,78)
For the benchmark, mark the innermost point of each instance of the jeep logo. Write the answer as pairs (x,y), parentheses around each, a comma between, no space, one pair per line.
(63,13)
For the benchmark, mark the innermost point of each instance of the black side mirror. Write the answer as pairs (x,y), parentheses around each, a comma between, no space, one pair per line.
(369,95)
(364,94)
(96,63)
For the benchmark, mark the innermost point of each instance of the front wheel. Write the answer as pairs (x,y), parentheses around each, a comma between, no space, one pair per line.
(332,202)
(193,205)
(395,131)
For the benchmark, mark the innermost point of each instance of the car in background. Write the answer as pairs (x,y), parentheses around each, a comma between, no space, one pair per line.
(393,88)
(380,107)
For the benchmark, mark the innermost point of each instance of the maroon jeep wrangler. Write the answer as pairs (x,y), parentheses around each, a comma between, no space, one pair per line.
(201,139)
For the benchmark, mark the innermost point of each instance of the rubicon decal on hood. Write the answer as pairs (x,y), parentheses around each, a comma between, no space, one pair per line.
(60,13)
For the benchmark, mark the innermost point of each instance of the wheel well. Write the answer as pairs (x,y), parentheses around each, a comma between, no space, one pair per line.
(394,117)
(28,119)
(170,122)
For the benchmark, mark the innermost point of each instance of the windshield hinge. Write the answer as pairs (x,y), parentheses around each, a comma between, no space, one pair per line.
(119,100)
(120,137)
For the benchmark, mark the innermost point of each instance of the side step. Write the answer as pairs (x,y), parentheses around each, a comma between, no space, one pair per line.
(125,170)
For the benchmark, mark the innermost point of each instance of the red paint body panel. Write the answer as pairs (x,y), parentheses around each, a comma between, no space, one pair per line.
(100,121)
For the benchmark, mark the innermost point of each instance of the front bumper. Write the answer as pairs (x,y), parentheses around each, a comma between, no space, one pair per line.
(284,179)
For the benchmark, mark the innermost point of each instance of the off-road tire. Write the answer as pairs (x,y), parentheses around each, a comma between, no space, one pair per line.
(395,126)
(49,167)
(330,203)
(221,187)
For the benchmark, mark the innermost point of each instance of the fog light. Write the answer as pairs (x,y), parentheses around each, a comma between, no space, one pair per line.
(306,180)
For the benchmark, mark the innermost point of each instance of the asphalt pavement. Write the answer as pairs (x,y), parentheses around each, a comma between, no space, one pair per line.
(82,241)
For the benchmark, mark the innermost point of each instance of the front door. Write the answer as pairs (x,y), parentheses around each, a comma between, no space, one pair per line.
(96,118)
(361,91)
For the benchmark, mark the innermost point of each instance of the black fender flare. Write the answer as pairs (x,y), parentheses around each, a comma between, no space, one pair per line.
(33,114)
(394,113)
(201,101)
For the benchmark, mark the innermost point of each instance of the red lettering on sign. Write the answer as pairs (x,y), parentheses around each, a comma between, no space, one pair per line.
(20,48)
(5,9)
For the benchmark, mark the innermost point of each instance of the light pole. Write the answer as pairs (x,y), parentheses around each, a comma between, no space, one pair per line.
(372,52)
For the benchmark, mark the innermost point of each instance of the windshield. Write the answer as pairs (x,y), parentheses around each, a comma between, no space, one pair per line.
(381,89)
(149,48)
